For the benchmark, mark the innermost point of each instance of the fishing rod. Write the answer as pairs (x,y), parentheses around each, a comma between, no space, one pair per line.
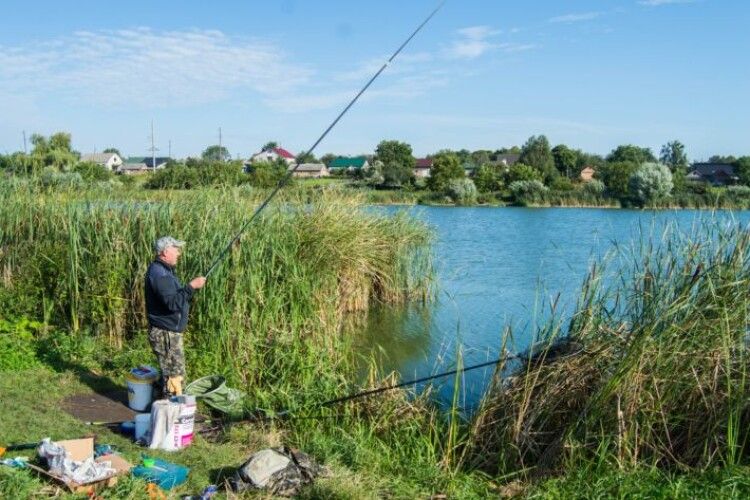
(290,172)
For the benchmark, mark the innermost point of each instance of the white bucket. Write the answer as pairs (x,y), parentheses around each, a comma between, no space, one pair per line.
(140,388)
(142,425)
(140,393)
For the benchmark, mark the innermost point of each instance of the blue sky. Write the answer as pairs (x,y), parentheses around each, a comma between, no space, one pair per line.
(482,75)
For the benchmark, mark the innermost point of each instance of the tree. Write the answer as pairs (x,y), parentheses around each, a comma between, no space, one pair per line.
(631,153)
(398,162)
(616,177)
(742,169)
(650,183)
(268,174)
(588,160)
(481,157)
(113,150)
(488,178)
(53,152)
(565,159)
(270,145)
(462,191)
(306,158)
(327,158)
(536,153)
(445,167)
(216,153)
(722,159)
(673,155)
(521,172)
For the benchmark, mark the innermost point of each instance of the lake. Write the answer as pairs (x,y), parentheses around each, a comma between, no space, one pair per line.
(498,267)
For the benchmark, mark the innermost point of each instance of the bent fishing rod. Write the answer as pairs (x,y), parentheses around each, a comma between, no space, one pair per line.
(290,172)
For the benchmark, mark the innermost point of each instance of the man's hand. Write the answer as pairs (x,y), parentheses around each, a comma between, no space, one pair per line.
(197,283)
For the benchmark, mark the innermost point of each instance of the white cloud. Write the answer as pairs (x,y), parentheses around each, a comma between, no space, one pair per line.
(574,18)
(145,68)
(475,41)
(657,3)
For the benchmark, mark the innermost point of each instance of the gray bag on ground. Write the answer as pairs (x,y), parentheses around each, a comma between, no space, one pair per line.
(280,471)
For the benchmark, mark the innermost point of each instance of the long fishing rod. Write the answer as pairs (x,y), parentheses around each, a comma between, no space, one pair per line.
(290,172)
(371,392)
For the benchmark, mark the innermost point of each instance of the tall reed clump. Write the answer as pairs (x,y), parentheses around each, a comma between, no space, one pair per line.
(652,370)
(271,312)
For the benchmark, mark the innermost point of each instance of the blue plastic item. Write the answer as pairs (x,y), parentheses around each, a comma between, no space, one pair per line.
(164,474)
(128,428)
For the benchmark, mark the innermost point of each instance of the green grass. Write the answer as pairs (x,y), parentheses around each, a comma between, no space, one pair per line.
(655,405)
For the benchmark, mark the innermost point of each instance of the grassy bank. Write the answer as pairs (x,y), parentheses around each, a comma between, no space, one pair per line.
(647,396)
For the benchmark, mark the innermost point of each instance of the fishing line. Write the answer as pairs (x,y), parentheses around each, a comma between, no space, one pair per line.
(290,172)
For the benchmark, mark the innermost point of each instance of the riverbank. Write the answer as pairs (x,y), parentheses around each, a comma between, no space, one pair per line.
(276,316)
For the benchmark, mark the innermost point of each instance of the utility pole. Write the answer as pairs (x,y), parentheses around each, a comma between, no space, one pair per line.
(153,148)
(25,150)
(170,148)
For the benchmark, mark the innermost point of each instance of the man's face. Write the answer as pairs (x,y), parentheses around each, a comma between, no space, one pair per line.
(171,255)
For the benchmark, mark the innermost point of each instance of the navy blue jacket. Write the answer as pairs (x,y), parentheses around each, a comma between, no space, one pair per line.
(167,301)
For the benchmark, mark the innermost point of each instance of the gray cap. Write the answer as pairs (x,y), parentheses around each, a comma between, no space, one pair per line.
(165,242)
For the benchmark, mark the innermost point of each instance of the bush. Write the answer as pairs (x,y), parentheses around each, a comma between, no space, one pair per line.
(175,177)
(92,172)
(562,184)
(526,192)
(594,188)
(521,172)
(18,344)
(650,183)
(462,191)
(266,174)
(738,191)
(52,178)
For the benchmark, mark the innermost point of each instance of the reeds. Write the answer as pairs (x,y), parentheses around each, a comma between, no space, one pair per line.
(269,316)
(652,369)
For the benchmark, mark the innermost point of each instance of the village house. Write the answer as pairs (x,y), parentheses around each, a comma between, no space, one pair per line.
(271,155)
(505,160)
(422,167)
(142,164)
(110,161)
(718,174)
(348,163)
(587,174)
(311,170)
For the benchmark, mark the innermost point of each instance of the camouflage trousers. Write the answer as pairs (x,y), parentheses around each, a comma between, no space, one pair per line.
(169,351)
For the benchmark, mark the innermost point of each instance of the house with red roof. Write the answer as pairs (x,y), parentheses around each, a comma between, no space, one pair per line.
(273,154)
(422,167)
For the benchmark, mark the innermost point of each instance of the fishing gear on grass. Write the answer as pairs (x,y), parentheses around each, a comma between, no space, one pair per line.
(291,171)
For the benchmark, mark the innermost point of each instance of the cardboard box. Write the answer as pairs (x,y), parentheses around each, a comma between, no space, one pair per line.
(80,450)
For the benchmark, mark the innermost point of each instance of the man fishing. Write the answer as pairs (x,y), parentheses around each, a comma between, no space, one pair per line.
(167,308)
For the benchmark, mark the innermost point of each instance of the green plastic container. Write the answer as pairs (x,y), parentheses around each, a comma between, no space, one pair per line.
(213,391)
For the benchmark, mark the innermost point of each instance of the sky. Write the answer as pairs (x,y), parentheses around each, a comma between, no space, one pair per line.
(481,75)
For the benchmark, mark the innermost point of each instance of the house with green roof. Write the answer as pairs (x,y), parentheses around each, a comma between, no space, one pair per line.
(348,163)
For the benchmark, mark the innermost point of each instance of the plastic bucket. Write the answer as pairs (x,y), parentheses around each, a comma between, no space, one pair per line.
(142,425)
(140,388)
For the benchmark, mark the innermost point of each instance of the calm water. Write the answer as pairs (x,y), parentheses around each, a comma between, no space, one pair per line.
(498,267)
